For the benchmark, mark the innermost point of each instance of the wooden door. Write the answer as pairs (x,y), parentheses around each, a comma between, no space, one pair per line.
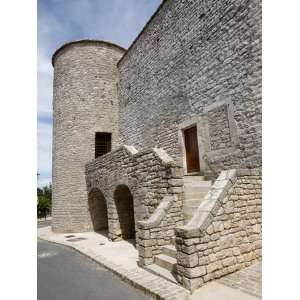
(191,149)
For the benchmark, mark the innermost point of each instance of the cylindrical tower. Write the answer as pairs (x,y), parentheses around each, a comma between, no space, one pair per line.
(85,107)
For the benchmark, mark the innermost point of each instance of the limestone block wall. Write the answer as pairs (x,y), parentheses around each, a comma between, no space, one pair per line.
(225,233)
(150,175)
(158,230)
(200,60)
(85,101)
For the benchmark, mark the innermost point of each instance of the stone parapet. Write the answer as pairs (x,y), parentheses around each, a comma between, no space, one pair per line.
(158,230)
(224,235)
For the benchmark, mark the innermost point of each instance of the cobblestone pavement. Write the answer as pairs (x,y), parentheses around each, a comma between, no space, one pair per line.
(247,280)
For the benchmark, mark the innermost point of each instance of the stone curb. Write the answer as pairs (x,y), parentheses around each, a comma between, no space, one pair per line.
(150,284)
(43,220)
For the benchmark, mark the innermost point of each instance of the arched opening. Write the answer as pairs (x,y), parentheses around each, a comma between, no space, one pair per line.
(98,210)
(124,205)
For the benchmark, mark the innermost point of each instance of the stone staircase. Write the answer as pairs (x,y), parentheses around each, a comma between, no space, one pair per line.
(165,263)
(195,188)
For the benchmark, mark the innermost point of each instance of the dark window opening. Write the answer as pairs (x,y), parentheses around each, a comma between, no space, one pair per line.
(102,143)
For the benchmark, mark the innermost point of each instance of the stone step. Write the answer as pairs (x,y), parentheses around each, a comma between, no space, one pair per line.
(192,202)
(195,188)
(169,250)
(187,217)
(203,184)
(190,209)
(193,177)
(162,272)
(193,194)
(165,261)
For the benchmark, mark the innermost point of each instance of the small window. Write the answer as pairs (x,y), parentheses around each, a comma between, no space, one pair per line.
(102,143)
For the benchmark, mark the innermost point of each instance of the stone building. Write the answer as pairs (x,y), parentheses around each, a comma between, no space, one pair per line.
(162,142)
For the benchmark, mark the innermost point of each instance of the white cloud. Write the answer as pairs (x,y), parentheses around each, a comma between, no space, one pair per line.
(45,79)
(44,152)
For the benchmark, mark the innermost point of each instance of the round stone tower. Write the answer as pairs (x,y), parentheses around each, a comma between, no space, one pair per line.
(85,104)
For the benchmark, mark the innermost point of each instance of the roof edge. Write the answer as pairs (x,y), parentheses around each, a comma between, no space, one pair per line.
(87,41)
(143,30)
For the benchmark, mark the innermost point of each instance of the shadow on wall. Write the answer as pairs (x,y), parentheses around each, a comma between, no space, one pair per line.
(124,205)
(98,211)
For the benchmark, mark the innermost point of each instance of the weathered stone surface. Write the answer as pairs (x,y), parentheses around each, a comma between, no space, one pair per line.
(226,244)
(145,252)
(228,261)
(85,78)
(197,59)
(247,280)
(186,260)
(192,284)
(213,267)
(195,272)
(196,63)
(157,211)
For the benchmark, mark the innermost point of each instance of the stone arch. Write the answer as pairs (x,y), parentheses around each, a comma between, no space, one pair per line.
(98,210)
(123,199)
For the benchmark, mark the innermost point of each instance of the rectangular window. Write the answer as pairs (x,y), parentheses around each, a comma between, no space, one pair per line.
(102,143)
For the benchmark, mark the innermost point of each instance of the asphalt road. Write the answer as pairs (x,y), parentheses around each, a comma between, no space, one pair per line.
(64,274)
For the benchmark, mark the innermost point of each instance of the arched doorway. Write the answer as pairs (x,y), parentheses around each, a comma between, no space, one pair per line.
(124,205)
(98,210)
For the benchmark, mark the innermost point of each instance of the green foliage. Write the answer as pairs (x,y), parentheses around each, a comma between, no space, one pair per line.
(44,202)
(44,197)
(39,192)
(47,191)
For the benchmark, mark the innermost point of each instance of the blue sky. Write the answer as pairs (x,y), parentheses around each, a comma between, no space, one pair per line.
(60,21)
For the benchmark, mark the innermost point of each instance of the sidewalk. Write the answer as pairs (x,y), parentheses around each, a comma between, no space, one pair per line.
(121,258)
(40,220)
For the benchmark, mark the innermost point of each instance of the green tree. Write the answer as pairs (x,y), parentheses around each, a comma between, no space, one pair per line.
(44,197)
(39,192)
(47,191)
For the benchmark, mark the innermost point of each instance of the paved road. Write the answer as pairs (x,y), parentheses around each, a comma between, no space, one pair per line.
(64,274)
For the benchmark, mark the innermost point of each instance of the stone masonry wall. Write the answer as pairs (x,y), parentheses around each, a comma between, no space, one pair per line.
(219,130)
(225,233)
(150,175)
(85,101)
(193,57)
(158,230)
